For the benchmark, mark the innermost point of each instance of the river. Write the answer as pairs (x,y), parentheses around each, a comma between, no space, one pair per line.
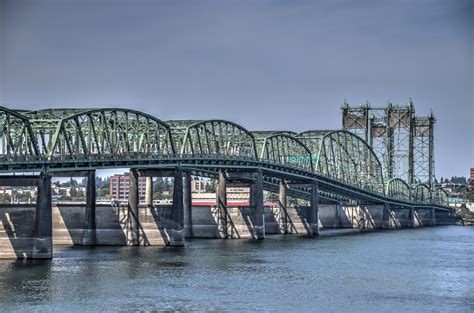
(409,270)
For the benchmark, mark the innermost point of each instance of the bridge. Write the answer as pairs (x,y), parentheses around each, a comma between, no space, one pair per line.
(324,168)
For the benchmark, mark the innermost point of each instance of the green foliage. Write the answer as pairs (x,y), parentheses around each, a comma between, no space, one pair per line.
(272,197)
(465,213)
(5,198)
(210,188)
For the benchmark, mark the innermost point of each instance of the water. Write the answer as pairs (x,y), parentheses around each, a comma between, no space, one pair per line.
(430,269)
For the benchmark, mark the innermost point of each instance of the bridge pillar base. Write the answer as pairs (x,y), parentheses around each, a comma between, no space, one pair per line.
(134,230)
(43,234)
(413,221)
(89,235)
(433,217)
(386,217)
(221,195)
(282,212)
(176,225)
(188,205)
(313,216)
(338,212)
(256,201)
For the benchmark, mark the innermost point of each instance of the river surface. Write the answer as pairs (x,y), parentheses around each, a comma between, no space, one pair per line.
(411,270)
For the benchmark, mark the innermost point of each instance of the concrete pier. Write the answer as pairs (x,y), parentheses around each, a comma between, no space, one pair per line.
(134,230)
(89,236)
(43,233)
(313,214)
(188,203)
(386,216)
(413,219)
(26,232)
(149,191)
(176,224)
(432,217)
(256,192)
(221,199)
(283,213)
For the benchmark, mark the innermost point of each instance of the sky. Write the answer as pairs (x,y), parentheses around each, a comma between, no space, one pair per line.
(280,65)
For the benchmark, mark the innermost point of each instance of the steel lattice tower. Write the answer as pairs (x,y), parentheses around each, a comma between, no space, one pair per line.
(402,141)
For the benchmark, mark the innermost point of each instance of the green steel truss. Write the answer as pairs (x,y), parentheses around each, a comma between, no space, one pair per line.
(17,137)
(398,188)
(421,193)
(283,148)
(439,196)
(345,157)
(100,138)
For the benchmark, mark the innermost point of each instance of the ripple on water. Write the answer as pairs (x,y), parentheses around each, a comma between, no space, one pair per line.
(407,270)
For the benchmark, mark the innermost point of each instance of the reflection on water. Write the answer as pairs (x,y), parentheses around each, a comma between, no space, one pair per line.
(404,270)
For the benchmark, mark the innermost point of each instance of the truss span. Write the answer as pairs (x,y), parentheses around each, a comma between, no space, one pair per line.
(107,134)
(285,149)
(397,188)
(346,157)
(17,141)
(421,193)
(439,196)
(54,140)
(218,138)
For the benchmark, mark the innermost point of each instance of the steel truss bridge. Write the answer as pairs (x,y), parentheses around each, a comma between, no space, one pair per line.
(342,164)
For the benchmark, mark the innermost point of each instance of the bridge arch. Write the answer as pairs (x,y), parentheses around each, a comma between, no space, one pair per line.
(397,188)
(439,196)
(17,141)
(345,156)
(421,193)
(213,138)
(103,134)
(283,148)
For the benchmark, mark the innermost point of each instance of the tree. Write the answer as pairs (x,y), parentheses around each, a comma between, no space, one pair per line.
(5,198)
(210,187)
(272,197)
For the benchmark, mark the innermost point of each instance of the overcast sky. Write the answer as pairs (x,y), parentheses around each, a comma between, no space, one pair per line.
(263,64)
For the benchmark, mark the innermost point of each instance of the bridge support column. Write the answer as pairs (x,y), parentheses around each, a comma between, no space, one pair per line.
(433,217)
(89,236)
(176,229)
(43,234)
(188,204)
(313,214)
(149,192)
(256,195)
(283,214)
(133,199)
(412,217)
(221,194)
(386,216)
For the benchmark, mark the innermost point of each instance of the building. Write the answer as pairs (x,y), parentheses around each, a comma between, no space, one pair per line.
(119,185)
(470,182)
(199,185)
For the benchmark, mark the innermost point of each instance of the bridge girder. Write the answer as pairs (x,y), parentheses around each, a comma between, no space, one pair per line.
(421,193)
(17,141)
(439,196)
(283,148)
(109,133)
(345,156)
(218,138)
(397,188)
(78,139)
